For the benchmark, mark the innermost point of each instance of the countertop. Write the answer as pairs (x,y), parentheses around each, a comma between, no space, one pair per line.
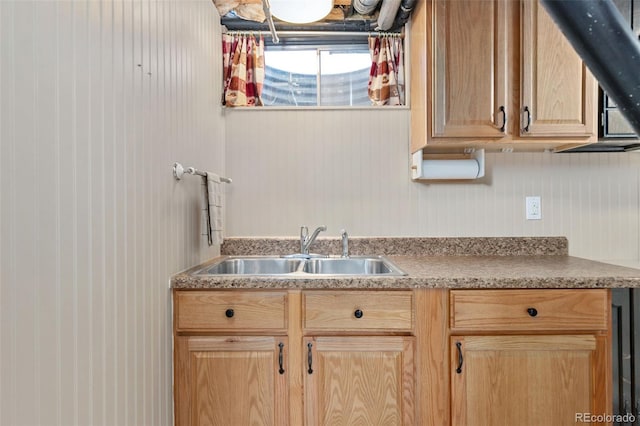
(431,263)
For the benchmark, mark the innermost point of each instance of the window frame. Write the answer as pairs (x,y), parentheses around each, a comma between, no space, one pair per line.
(318,46)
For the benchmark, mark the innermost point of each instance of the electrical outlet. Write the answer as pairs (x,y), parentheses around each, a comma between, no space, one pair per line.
(534,210)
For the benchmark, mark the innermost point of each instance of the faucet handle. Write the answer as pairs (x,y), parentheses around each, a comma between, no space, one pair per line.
(304,235)
(345,242)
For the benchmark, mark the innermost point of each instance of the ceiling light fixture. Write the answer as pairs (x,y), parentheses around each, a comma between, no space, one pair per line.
(300,12)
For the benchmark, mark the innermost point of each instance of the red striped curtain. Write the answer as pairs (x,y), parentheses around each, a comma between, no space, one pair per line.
(243,63)
(386,77)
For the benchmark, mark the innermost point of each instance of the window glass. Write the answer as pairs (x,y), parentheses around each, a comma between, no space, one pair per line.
(312,76)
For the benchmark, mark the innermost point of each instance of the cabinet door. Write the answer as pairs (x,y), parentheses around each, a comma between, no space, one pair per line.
(469,68)
(559,95)
(359,381)
(527,380)
(231,381)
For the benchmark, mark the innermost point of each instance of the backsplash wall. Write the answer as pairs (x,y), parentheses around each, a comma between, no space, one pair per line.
(350,169)
(97,100)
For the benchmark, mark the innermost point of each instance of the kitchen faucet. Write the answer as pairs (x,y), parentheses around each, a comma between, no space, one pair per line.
(306,240)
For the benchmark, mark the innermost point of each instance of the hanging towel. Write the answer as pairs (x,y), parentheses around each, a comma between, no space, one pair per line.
(212,208)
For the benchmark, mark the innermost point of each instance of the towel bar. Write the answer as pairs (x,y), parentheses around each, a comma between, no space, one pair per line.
(179,171)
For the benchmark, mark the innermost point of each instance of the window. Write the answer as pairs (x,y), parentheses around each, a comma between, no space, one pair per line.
(316,75)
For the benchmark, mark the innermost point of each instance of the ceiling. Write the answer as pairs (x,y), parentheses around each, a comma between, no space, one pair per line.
(244,15)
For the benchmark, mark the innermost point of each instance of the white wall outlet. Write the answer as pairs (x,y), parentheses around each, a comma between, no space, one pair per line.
(534,209)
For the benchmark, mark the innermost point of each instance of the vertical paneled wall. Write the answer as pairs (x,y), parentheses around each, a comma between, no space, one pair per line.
(351,169)
(97,100)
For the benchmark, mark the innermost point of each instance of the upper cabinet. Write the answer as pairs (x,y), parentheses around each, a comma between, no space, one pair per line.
(497,74)
(559,95)
(469,69)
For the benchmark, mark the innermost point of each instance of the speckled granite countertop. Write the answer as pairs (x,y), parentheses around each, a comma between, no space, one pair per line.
(430,263)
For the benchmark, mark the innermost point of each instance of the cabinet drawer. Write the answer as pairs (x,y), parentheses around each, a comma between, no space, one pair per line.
(516,310)
(358,310)
(230,310)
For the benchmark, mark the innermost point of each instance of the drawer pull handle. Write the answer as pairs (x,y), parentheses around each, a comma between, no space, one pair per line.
(281,358)
(229,313)
(532,312)
(358,313)
(309,358)
(460,359)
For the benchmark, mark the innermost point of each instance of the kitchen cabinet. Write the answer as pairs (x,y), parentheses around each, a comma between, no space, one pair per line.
(496,74)
(528,357)
(428,356)
(317,357)
(231,380)
(360,380)
(356,372)
(559,95)
(230,358)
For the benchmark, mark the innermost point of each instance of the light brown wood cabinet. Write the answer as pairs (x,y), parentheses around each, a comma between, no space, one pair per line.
(529,357)
(230,380)
(496,74)
(356,371)
(230,352)
(297,357)
(359,380)
(390,357)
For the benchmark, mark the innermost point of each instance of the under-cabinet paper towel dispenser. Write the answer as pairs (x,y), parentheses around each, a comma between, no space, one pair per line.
(443,167)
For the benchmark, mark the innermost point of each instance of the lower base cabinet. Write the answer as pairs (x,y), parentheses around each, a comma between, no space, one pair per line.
(431,357)
(525,379)
(231,380)
(360,381)
(530,357)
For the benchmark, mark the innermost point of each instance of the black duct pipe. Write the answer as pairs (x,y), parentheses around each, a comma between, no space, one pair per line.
(604,41)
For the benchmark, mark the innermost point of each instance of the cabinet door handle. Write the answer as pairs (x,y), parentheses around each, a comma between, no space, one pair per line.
(504,118)
(526,128)
(281,357)
(229,313)
(309,358)
(460,359)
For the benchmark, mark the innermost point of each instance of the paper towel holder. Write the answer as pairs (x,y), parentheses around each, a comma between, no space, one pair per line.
(418,164)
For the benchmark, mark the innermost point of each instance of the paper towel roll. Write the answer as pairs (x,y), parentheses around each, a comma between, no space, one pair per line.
(450,169)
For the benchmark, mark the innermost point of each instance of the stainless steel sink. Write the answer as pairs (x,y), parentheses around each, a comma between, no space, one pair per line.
(352,266)
(253,266)
(292,267)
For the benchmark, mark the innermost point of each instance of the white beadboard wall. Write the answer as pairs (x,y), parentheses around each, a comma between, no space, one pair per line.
(97,100)
(350,169)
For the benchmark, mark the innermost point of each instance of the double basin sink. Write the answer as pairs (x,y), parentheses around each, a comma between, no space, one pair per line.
(315,266)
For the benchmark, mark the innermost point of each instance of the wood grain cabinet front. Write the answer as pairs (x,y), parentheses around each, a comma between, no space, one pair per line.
(433,357)
(358,354)
(359,380)
(529,310)
(295,357)
(218,311)
(231,380)
(496,73)
(353,311)
(529,357)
